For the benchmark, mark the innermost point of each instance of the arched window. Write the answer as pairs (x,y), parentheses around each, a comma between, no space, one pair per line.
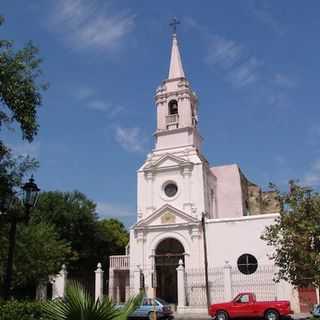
(247,263)
(173,107)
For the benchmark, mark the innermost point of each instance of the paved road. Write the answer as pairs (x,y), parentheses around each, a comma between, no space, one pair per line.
(299,316)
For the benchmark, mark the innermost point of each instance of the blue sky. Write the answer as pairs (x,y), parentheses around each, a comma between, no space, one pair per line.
(254,65)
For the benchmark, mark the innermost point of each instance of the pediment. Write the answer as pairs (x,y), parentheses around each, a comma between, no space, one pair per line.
(167,161)
(166,215)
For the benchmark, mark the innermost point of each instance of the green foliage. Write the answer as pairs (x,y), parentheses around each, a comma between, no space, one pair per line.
(75,220)
(21,310)
(20,98)
(295,236)
(20,90)
(12,172)
(39,253)
(78,304)
(64,228)
(114,234)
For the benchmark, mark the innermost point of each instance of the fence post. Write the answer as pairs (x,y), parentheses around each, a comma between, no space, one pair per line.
(227,281)
(98,282)
(59,283)
(181,285)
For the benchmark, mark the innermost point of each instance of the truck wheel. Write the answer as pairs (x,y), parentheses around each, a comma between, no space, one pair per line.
(222,315)
(271,315)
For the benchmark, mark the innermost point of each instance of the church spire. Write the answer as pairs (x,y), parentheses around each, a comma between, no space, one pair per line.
(176,69)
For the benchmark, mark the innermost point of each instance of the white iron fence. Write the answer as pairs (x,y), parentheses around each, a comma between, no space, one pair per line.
(260,282)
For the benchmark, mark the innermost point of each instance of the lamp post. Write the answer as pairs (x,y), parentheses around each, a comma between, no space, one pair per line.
(203,224)
(30,196)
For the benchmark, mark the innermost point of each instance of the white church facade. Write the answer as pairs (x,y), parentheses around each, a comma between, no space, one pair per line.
(179,196)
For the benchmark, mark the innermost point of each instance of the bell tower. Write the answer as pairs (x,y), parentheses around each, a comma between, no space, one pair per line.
(175,175)
(177,106)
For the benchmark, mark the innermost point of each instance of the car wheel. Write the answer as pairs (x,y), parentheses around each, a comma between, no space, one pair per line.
(271,315)
(222,315)
(151,315)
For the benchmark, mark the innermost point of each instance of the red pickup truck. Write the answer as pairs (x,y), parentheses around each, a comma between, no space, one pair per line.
(245,305)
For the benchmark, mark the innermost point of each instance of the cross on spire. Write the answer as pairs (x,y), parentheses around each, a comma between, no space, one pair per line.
(174,22)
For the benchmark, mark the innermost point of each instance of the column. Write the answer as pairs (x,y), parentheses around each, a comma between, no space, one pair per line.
(181,285)
(118,294)
(227,281)
(41,291)
(111,284)
(136,279)
(98,283)
(151,277)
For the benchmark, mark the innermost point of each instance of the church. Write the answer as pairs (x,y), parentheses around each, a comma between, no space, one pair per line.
(198,226)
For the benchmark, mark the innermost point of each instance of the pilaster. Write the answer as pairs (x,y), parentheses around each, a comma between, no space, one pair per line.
(187,205)
(149,199)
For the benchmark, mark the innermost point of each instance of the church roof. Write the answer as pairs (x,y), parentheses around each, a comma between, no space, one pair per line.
(176,69)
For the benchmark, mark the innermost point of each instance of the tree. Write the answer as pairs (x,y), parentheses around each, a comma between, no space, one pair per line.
(20,98)
(295,236)
(75,220)
(20,90)
(114,234)
(39,253)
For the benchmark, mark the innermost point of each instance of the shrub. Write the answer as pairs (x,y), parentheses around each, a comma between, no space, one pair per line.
(21,310)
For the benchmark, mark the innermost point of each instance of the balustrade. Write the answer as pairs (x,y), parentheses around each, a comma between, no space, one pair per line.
(119,262)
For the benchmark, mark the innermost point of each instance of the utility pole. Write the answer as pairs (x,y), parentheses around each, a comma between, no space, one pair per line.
(203,223)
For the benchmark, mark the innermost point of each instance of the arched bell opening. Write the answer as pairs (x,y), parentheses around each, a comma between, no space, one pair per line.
(173,107)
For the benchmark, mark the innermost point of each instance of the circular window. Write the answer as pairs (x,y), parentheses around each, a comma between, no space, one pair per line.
(170,189)
(247,263)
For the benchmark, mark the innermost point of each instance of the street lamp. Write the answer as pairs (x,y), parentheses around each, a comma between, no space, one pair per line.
(30,196)
(29,199)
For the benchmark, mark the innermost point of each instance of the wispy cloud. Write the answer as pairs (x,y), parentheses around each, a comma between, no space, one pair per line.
(131,139)
(284,81)
(313,135)
(223,52)
(90,24)
(26,149)
(312,177)
(244,70)
(107,209)
(98,105)
(90,99)
(245,74)
(232,58)
(83,93)
(265,12)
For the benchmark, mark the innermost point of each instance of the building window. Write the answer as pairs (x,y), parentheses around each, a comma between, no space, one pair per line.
(170,189)
(247,263)
(173,107)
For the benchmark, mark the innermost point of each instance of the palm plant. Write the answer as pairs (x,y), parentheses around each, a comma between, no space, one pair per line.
(79,305)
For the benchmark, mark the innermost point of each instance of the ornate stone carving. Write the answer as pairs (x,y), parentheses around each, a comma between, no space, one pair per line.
(168,218)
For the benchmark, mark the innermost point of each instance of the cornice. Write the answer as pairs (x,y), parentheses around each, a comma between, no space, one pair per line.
(175,130)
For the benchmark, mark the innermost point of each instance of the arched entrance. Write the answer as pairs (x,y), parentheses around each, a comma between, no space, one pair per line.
(167,255)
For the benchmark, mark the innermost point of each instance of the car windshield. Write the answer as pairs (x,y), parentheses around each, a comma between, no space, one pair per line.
(162,301)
